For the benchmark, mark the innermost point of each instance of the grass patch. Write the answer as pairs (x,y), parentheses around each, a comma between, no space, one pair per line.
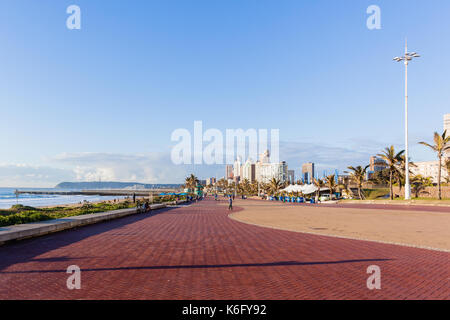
(19,214)
(374,194)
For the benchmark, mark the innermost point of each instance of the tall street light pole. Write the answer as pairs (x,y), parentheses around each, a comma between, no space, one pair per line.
(406,58)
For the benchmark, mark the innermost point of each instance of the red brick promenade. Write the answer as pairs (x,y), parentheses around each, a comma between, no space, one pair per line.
(197,252)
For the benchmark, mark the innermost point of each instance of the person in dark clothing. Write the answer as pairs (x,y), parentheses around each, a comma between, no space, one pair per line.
(230,204)
(134,198)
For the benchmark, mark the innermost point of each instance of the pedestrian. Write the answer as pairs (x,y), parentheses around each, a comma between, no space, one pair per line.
(138,206)
(134,198)
(230,203)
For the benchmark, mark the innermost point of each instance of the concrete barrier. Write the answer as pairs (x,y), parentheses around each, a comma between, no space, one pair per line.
(36,229)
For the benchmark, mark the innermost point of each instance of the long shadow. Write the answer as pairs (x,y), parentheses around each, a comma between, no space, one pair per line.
(25,250)
(243,265)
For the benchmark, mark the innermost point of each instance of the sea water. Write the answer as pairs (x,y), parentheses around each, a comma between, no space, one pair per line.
(8,198)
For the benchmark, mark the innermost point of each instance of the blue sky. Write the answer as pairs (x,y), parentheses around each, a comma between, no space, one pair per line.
(103,101)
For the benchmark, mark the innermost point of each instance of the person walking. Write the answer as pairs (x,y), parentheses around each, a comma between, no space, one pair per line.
(230,203)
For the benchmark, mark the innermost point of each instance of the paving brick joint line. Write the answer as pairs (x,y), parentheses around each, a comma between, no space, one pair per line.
(198,252)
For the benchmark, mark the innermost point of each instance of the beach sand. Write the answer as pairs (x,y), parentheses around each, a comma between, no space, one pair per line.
(415,228)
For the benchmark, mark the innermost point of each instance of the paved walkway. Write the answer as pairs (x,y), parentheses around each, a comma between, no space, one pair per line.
(197,252)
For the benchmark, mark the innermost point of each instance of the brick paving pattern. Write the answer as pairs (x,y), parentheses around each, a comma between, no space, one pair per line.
(197,252)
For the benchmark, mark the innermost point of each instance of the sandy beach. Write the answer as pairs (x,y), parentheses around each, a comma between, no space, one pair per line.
(410,227)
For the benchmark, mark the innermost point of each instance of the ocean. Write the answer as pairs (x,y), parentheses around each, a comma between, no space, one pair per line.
(8,198)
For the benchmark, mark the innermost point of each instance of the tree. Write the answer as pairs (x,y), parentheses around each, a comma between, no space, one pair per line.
(393,160)
(440,146)
(246,187)
(419,183)
(358,175)
(380,177)
(447,166)
(274,186)
(399,174)
(191,182)
(331,183)
(319,183)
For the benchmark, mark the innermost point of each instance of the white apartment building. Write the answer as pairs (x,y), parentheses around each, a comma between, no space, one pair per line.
(266,171)
(237,167)
(429,169)
(249,171)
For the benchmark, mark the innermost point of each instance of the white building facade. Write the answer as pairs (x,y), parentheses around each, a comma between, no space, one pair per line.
(237,168)
(429,169)
(267,171)
(249,171)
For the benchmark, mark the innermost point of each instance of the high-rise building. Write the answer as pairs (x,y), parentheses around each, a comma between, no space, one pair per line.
(229,172)
(308,172)
(267,171)
(264,157)
(447,122)
(291,176)
(429,169)
(249,171)
(237,167)
(210,181)
(377,164)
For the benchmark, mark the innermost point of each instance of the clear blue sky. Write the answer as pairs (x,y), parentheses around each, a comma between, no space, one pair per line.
(103,101)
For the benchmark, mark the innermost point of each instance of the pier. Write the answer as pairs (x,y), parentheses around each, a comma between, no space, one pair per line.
(119,192)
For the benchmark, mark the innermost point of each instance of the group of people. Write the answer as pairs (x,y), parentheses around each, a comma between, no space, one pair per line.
(143,206)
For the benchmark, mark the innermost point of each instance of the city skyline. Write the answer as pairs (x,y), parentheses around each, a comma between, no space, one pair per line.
(77,106)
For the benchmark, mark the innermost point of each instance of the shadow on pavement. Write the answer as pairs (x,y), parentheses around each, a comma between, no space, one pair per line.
(269,264)
(25,250)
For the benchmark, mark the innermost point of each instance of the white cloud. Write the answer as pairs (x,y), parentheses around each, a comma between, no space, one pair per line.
(22,175)
(146,168)
(158,167)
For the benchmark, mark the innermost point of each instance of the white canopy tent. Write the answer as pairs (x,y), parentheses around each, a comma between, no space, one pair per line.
(305,189)
(293,188)
(309,189)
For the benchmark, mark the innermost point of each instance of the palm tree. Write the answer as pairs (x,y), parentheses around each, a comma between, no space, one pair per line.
(331,183)
(274,186)
(319,183)
(393,160)
(447,166)
(246,187)
(191,182)
(419,183)
(399,174)
(358,174)
(440,146)
(253,188)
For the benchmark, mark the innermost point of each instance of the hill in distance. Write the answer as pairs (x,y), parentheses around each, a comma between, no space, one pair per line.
(112,185)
